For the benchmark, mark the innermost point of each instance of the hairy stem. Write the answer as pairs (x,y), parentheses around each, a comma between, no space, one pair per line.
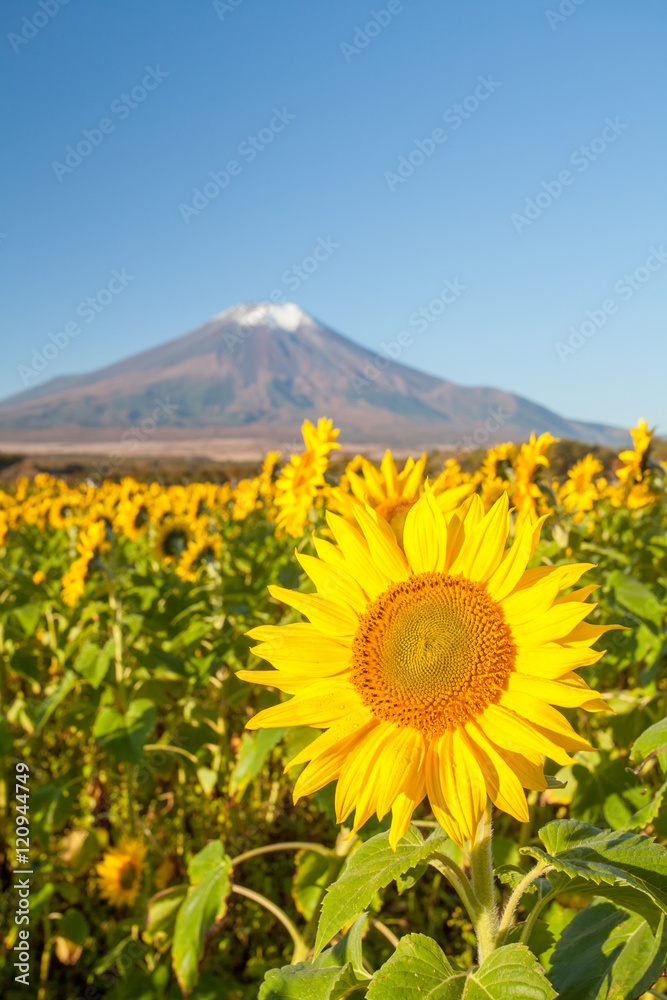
(460,883)
(484,888)
(513,901)
(532,918)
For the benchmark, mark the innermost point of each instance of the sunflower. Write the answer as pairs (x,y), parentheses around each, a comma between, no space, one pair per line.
(91,541)
(527,496)
(579,492)
(301,482)
(172,539)
(391,493)
(496,473)
(205,548)
(634,474)
(432,667)
(131,517)
(119,872)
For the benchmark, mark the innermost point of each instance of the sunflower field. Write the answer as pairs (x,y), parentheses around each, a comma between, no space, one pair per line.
(338,730)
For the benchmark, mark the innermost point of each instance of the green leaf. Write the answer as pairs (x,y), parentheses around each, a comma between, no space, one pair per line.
(349,948)
(205,903)
(27,616)
(626,867)
(653,741)
(124,735)
(606,953)
(73,926)
(419,970)
(306,982)
(338,972)
(510,973)
(92,662)
(411,877)
(632,594)
(312,875)
(161,919)
(51,807)
(207,778)
(648,812)
(48,707)
(255,748)
(373,866)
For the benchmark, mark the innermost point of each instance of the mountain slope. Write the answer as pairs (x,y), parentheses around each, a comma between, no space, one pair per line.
(262,369)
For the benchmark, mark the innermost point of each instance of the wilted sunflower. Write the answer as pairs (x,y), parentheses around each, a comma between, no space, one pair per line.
(119,872)
(432,667)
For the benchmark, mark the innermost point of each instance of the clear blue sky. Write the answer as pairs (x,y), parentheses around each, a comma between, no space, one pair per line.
(331,173)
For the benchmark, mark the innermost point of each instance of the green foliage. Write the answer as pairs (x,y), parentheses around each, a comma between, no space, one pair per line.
(128,712)
(625,867)
(204,904)
(606,953)
(419,969)
(370,868)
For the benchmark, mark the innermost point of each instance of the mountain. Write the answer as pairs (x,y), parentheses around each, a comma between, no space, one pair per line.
(257,371)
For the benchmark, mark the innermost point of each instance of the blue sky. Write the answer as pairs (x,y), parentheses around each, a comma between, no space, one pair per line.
(338,96)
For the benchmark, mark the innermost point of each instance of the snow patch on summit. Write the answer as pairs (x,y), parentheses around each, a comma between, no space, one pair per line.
(287,316)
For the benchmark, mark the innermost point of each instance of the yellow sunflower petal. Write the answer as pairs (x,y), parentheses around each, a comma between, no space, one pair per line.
(404,806)
(290,681)
(555,623)
(512,732)
(390,473)
(578,595)
(333,582)
(585,634)
(355,771)
(502,783)
(570,691)
(400,766)
(383,547)
(513,564)
(544,716)
(412,477)
(320,705)
(331,617)
(553,660)
(484,543)
(462,783)
(326,765)
(425,535)
(436,794)
(357,556)
(354,726)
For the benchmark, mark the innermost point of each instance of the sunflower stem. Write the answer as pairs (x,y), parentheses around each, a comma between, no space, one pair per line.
(484,887)
(300,947)
(460,883)
(515,898)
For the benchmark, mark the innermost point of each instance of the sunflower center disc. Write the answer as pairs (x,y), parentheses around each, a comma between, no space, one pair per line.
(432,652)
(128,875)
